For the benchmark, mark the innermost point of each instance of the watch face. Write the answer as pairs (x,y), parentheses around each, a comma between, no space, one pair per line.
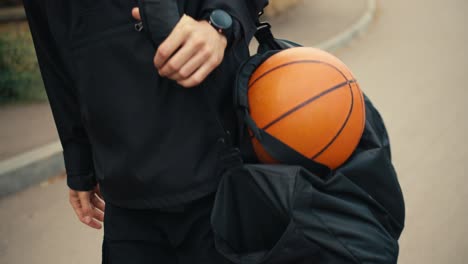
(220,19)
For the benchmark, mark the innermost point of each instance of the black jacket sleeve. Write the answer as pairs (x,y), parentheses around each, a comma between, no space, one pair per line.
(244,12)
(62,98)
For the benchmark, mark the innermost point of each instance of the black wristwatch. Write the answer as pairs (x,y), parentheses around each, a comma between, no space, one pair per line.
(222,22)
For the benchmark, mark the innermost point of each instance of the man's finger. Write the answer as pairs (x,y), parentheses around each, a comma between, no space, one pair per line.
(95,224)
(75,203)
(98,215)
(98,203)
(172,43)
(177,61)
(136,13)
(192,65)
(86,207)
(199,76)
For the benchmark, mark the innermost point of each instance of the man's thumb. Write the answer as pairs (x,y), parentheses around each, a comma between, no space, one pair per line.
(136,13)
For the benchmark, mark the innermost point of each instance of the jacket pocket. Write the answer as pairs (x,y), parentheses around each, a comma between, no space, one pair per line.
(93,38)
(90,18)
(158,18)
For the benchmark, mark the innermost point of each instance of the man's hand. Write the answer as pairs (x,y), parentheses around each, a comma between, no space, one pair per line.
(88,206)
(190,53)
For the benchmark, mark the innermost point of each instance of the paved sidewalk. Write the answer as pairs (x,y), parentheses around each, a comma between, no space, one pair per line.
(413,64)
(317,21)
(38,225)
(25,127)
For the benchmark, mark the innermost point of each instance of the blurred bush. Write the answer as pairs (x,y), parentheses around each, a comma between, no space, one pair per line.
(20,78)
(10,2)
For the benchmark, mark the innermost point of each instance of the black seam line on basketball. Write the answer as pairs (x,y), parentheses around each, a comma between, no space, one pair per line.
(347,118)
(303,104)
(296,62)
(342,127)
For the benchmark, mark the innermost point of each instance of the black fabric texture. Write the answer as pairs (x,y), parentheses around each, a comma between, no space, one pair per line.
(280,151)
(171,235)
(146,140)
(159,17)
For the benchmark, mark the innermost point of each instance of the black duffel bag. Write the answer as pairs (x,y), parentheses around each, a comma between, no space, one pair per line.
(301,211)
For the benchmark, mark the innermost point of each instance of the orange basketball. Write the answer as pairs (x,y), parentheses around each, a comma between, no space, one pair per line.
(309,100)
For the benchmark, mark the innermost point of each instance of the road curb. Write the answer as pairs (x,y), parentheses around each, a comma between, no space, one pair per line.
(12,14)
(30,168)
(40,164)
(358,28)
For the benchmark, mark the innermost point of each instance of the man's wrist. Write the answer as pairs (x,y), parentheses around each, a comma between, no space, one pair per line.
(219,32)
(228,33)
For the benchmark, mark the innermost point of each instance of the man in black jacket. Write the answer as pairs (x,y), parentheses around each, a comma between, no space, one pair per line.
(131,102)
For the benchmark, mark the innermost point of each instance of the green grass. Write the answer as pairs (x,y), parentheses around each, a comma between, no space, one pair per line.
(20,78)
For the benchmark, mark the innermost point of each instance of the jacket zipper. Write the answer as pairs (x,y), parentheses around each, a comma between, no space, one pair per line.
(139,26)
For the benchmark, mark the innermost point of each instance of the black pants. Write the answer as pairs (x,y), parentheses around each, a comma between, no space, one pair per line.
(174,235)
